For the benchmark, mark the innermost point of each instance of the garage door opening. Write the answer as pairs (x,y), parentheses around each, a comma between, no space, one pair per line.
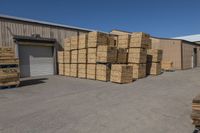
(36,56)
(194,58)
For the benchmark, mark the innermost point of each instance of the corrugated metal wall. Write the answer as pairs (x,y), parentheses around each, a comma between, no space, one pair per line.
(27,29)
(171,50)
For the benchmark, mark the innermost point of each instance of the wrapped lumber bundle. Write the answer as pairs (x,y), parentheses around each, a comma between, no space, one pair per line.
(124,41)
(67,69)
(74,56)
(122,54)
(91,55)
(154,55)
(195,116)
(61,69)
(67,44)
(137,55)
(167,65)
(60,58)
(74,70)
(91,71)
(74,42)
(153,68)
(103,72)
(140,40)
(97,38)
(82,69)
(67,57)
(83,41)
(139,70)
(121,73)
(106,54)
(82,56)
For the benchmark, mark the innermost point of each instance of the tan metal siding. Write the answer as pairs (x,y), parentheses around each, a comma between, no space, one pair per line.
(171,50)
(187,55)
(27,29)
(198,56)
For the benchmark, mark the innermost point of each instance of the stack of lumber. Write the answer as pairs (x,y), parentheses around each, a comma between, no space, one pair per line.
(121,73)
(195,116)
(123,41)
(96,54)
(122,55)
(137,55)
(9,68)
(167,65)
(154,58)
(106,54)
(103,72)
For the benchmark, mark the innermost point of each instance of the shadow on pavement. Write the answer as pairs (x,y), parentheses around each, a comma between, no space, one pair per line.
(28,82)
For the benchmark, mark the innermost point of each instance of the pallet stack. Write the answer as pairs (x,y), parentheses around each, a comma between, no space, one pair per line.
(154,58)
(195,116)
(9,68)
(137,54)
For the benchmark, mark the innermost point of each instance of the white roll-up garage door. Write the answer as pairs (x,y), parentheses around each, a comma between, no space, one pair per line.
(36,60)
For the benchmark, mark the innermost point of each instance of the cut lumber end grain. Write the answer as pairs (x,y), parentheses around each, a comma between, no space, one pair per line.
(106,54)
(91,71)
(103,72)
(154,55)
(121,73)
(82,70)
(153,68)
(139,70)
(137,55)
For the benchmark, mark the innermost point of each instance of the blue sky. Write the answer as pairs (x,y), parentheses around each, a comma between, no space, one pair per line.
(161,18)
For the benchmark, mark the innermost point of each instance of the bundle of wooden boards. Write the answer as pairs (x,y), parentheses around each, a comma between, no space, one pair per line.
(196,111)
(9,68)
(98,56)
(154,58)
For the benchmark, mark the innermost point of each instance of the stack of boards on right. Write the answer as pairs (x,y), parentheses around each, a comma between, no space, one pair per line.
(109,57)
(195,116)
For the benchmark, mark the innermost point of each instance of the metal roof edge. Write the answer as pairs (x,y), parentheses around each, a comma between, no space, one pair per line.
(176,40)
(44,22)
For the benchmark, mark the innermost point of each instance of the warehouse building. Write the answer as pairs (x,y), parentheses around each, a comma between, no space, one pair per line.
(183,52)
(35,42)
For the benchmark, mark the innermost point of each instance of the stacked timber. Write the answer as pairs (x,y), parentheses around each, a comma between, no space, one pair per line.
(195,116)
(106,54)
(91,71)
(121,73)
(137,56)
(122,54)
(154,58)
(124,41)
(9,68)
(92,56)
(103,72)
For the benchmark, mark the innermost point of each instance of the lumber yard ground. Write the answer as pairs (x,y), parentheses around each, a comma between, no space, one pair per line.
(57,104)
